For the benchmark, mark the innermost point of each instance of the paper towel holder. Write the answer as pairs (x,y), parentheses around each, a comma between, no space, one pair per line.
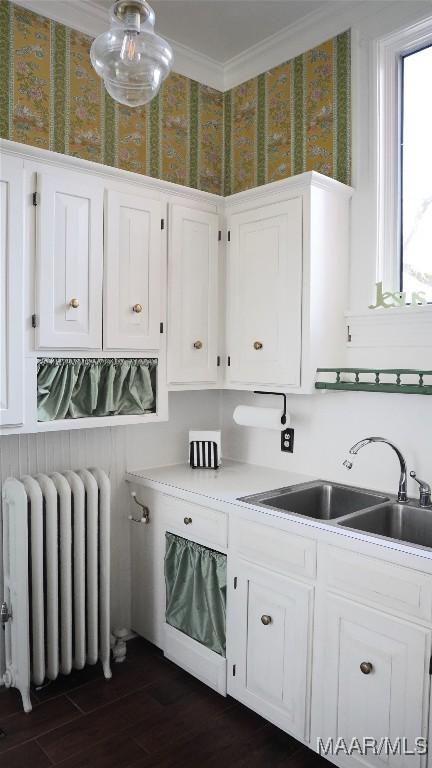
(278,394)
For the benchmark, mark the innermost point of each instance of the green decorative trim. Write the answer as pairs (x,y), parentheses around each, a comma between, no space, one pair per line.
(298,114)
(155,106)
(193,133)
(399,386)
(5,68)
(227,142)
(343,102)
(261,129)
(110,139)
(58,68)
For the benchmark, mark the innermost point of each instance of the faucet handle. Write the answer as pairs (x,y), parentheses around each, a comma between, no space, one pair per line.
(425,490)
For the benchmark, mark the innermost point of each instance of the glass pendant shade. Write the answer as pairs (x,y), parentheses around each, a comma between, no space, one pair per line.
(131,58)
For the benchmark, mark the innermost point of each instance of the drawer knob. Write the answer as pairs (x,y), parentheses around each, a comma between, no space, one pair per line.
(74,303)
(198,345)
(258,345)
(187,520)
(366,667)
(137,308)
(266,620)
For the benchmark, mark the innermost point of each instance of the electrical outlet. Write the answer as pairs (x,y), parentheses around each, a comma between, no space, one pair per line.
(287,440)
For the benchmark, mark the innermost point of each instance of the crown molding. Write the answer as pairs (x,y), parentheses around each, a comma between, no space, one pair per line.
(312,29)
(197,66)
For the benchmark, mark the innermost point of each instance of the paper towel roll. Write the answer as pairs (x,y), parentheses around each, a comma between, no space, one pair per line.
(266,418)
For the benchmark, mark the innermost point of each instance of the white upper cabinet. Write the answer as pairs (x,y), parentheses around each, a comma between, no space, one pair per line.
(264,281)
(11,291)
(287,282)
(134,266)
(192,296)
(69,260)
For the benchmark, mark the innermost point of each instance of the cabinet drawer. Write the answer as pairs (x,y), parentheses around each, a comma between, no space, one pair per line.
(391,586)
(274,548)
(195,522)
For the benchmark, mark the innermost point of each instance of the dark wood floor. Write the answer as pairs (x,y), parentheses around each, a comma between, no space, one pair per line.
(150,715)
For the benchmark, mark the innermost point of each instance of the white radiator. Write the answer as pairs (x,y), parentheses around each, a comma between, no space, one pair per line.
(56,559)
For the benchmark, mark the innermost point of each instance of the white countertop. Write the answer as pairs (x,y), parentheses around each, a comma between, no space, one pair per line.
(234,480)
(228,483)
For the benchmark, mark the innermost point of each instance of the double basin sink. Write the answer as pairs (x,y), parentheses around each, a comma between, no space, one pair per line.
(354,508)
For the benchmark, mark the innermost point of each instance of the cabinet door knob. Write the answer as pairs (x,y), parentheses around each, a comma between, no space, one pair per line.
(74,303)
(187,520)
(266,620)
(366,667)
(198,345)
(258,345)
(137,308)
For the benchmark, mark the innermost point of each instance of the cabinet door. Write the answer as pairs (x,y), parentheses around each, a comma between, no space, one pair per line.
(69,260)
(133,272)
(268,637)
(265,295)
(11,291)
(372,679)
(192,296)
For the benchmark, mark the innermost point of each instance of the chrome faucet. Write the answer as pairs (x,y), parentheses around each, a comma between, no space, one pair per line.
(402,492)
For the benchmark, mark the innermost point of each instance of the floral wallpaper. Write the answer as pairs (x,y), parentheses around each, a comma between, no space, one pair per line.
(54,99)
(293,118)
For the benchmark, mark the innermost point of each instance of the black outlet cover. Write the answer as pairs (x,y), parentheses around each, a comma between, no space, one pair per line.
(287,440)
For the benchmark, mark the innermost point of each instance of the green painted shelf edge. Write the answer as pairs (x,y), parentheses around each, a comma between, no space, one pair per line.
(378,386)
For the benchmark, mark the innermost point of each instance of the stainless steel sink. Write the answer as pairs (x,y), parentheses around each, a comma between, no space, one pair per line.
(395,521)
(320,500)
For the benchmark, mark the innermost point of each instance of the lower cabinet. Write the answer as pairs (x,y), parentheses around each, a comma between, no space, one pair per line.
(314,660)
(269,642)
(371,681)
(199,524)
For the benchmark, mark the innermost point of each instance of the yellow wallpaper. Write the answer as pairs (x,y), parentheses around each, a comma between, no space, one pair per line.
(295,117)
(54,99)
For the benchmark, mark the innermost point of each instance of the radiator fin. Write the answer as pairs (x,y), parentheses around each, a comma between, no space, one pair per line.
(60,594)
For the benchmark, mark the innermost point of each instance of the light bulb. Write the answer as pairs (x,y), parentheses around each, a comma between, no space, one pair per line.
(128,51)
(133,26)
(132,60)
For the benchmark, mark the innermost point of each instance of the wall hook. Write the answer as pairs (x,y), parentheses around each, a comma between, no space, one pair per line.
(145,516)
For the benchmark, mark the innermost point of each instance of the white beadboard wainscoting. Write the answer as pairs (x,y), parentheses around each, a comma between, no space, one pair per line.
(115,450)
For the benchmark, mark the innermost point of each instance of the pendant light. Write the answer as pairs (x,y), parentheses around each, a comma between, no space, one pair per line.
(131,58)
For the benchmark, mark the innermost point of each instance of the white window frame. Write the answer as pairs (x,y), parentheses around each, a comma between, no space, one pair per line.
(388,54)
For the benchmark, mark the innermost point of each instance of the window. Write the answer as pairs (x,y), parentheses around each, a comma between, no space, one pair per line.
(416,174)
(404,159)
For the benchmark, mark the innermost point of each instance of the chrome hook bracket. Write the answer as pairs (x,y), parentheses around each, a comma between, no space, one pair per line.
(145,512)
